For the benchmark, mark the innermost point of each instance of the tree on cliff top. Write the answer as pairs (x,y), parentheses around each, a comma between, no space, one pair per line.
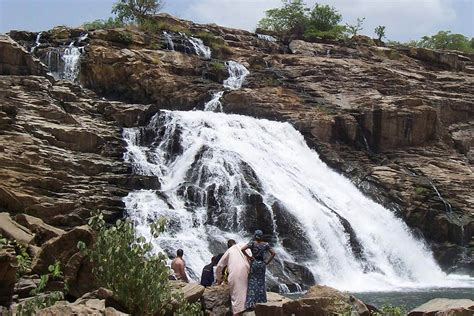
(295,18)
(136,11)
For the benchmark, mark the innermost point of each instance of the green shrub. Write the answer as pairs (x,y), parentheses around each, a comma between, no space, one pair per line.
(30,306)
(124,264)
(389,310)
(322,21)
(380,32)
(421,191)
(22,257)
(217,66)
(110,23)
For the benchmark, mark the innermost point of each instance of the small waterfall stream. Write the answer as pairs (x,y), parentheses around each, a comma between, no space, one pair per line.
(224,175)
(37,42)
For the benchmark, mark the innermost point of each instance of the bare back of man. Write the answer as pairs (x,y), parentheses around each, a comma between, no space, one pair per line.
(179,267)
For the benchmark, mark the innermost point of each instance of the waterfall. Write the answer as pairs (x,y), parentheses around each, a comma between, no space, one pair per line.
(237,74)
(37,42)
(266,37)
(70,58)
(63,62)
(224,175)
(215,103)
(199,47)
(169,41)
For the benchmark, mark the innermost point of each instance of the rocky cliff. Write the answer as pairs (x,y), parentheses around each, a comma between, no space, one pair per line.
(398,122)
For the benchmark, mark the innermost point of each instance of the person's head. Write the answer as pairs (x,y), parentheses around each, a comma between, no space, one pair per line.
(179,253)
(214,261)
(230,243)
(258,234)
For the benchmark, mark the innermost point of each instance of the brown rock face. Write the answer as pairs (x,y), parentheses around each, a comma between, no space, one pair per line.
(444,307)
(15,60)
(398,122)
(8,267)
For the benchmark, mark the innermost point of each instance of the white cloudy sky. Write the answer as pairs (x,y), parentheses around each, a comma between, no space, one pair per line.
(404,19)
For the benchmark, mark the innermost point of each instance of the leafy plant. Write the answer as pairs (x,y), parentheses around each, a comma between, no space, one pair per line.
(352,30)
(380,32)
(125,264)
(32,305)
(322,21)
(390,310)
(290,18)
(217,66)
(421,190)
(22,256)
(110,23)
(136,11)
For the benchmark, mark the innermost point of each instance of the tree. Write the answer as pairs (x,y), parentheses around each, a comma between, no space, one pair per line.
(323,18)
(380,32)
(352,30)
(124,263)
(446,40)
(290,18)
(136,11)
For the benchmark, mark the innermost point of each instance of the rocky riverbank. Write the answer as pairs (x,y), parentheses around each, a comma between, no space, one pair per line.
(398,122)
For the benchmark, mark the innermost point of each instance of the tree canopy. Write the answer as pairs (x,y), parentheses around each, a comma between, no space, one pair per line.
(136,11)
(295,18)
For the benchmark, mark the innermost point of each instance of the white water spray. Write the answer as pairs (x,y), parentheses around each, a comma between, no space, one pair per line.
(37,42)
(215,103)
(237,74)
(203,160)
(265,37)
(169,41)
(199,47)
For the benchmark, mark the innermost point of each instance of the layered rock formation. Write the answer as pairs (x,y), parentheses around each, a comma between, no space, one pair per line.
(398,122)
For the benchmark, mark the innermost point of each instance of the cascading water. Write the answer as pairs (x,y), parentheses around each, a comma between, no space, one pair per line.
(265,37)
(199,47)
(223,175)
(237,74)
(215,103)
(63,62)
(70,58)
(169,41)
(37,42)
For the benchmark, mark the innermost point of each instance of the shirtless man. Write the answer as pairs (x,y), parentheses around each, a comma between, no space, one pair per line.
(179,266)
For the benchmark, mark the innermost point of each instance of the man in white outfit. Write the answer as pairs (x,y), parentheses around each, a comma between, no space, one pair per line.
(238,271)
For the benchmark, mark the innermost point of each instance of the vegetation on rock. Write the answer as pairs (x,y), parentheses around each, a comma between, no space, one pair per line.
(443,40)
(380,32)
(124,264)
(136,11)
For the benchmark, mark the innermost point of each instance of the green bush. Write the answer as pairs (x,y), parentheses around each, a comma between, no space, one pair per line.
(32,305)
(154,26)
(322,21)
(380,32)
(136,11)
(110,23)
(22,257)
(124,264)
(389,310)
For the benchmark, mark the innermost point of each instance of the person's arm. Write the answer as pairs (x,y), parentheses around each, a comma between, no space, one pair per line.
(220,266)
(243,249)
(272,255)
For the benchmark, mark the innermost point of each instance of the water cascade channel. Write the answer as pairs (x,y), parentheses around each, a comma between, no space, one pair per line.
(222,176)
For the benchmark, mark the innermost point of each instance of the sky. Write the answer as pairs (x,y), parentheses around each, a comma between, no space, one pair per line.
(404,19)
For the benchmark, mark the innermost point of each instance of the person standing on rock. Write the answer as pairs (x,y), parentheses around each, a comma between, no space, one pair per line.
(207,275)
(179,266)
(256,291)
(238,270)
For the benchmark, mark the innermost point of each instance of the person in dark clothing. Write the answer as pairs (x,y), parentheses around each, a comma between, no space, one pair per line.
(207,276)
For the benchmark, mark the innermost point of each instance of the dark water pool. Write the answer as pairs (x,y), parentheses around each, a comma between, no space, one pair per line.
(408,299)
(413,299)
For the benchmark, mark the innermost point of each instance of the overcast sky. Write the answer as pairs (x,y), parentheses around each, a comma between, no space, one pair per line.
(404,19)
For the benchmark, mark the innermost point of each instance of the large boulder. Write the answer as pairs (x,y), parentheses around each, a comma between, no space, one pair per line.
(444,307)
(81,307)
(15,60)
(8,268)
(273,306)
(216,300)
(43,231)
(61,248)
(14,231)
